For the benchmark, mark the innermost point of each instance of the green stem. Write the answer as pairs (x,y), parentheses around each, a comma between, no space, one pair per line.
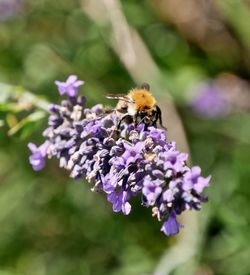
(8,92)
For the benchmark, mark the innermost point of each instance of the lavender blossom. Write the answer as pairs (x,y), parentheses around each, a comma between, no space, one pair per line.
(10,8)
(210,101)
(171,226)
(70,87)
(37,159)
(123,163)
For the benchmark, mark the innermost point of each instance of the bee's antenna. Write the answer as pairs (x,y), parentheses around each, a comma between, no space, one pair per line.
(121,97)
(144,86)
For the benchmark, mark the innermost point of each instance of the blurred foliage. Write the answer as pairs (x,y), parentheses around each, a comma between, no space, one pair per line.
(51,225)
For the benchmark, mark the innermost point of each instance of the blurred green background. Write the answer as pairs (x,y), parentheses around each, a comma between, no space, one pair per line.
(50,224)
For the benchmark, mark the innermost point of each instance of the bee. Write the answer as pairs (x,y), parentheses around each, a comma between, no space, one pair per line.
(138,106)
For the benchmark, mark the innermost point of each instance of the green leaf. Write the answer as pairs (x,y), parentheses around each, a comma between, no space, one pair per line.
(36,116)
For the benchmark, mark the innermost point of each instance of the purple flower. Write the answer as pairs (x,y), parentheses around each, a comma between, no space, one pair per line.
(119,201)
(132,153)
(37,159)
(209,101)
(131,161)
(152,189)
(171,226)
(174,160)
(10,9)
(70,87)
(193,180)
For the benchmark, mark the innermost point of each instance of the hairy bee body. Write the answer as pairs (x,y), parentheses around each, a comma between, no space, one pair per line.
(138,105)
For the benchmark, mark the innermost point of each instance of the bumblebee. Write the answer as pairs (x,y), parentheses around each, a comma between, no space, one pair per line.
(138,106)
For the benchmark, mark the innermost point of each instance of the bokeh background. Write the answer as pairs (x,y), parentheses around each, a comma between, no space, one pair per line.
(196,56)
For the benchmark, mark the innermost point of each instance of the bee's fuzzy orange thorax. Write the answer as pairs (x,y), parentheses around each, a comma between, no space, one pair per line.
(142,98)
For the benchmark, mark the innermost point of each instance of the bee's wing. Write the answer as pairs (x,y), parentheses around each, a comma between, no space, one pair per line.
(119,97)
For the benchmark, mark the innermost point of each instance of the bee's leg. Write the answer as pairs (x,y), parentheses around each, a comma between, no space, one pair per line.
(121,120)
(143,120)
(136,120)
(158,116)
(145,125)
(118,126)
(155,118)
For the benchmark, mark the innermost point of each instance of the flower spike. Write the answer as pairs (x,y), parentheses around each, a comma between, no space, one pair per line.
(133,161)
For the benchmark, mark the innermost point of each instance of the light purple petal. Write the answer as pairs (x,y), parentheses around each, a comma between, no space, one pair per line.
(171,226)
(126,208)
(37,158)
(201,184)
(78,83)
(62,87)
(71,79)
(59,83)
(70,87)
(187,185)
(196,171)
(210,101)
(71,91)
(43,148)
(32,147)
(168,195)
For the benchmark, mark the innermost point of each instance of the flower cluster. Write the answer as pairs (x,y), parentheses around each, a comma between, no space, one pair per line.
(210,101)
(125,162)
(225,95)
(10,8)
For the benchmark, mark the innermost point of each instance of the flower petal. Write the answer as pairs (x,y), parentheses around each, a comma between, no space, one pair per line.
(171,226)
